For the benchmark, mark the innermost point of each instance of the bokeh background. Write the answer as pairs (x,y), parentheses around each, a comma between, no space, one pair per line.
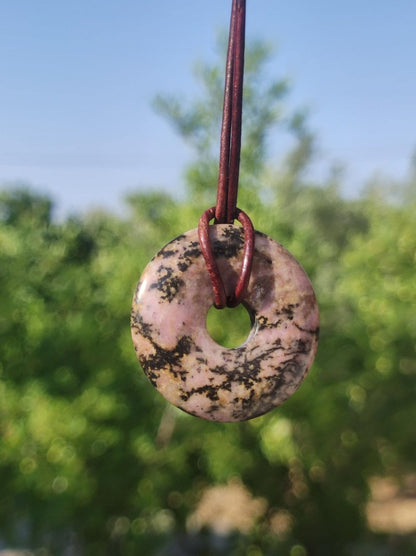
(109,138)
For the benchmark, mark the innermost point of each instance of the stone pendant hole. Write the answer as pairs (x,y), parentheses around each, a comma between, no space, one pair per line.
(229,327)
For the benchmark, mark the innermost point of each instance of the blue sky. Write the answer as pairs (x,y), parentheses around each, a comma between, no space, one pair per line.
(77,79)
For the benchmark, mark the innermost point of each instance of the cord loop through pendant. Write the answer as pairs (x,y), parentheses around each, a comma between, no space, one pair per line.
(220,297)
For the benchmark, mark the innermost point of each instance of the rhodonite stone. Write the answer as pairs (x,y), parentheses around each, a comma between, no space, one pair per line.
(186,365)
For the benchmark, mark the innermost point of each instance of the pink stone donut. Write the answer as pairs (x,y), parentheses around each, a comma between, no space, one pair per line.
(186,365)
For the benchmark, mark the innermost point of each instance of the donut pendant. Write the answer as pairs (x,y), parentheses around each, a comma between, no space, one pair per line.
(186,365)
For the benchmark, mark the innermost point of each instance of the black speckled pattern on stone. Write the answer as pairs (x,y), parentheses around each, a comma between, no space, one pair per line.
(182,361)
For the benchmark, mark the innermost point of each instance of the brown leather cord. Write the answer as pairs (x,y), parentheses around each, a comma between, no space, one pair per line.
(247,263)
(230,145)
(221,299)
(226,211)
(237,109)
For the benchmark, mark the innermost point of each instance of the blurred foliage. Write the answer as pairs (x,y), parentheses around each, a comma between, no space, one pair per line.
(92,457)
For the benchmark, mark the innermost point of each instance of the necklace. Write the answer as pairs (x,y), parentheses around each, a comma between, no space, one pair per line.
(225,264)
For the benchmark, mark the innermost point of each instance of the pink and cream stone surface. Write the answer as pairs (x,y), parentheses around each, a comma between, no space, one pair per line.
(179,356)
